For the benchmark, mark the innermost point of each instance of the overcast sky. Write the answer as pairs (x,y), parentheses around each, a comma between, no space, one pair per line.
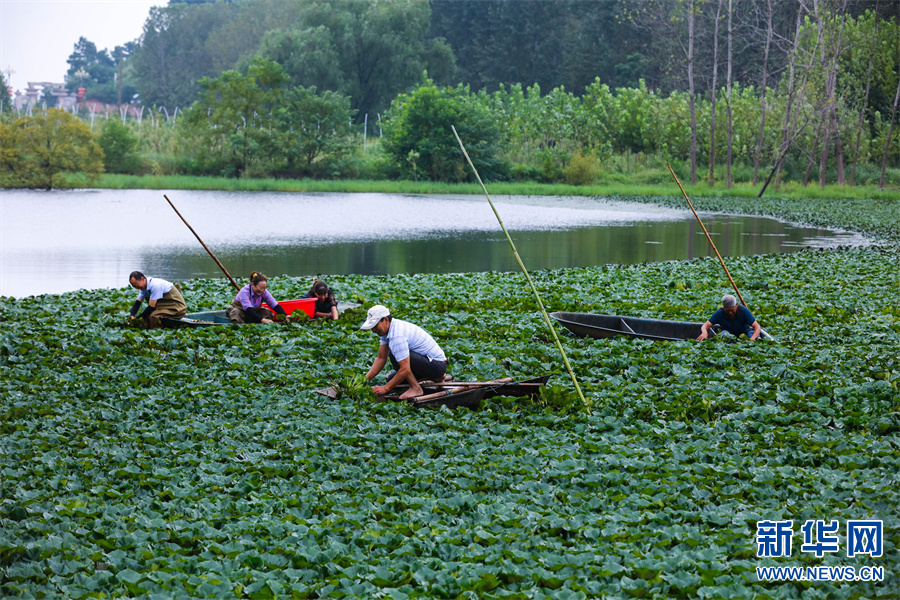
(37,36)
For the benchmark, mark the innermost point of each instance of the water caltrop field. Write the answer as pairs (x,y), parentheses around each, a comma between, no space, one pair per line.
(199,463)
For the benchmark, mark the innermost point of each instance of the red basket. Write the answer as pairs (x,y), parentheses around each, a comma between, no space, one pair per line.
(307,305)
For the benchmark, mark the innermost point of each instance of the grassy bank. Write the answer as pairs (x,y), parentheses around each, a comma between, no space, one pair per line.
(200,464)
(180,182)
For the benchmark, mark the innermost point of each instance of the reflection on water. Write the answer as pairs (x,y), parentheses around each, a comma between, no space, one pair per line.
(52,242)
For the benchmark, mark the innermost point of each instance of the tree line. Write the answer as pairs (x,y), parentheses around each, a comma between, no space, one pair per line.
(804,89)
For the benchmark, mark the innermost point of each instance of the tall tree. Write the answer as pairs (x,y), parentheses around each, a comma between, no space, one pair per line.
(172,57)
(678,19)
(763,88)
(98,71)
(309,56)
(728,150)
(887,144)
(381,47)
(693,95)
(832,130)
(822,117)
(865,101)
(713,95)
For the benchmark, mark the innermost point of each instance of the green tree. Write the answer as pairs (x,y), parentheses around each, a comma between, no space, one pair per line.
(232,121)
(100,68)
(172,57)
(311,127)
(309,56)
(47,150)
(381,48)
(120,148)
(5,95)
(418,135)
(186,41)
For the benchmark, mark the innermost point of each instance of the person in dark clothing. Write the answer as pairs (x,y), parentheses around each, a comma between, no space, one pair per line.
(734,319)
(326,305)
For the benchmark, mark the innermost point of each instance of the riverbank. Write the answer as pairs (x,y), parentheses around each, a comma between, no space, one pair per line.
(862,209)
(788,190)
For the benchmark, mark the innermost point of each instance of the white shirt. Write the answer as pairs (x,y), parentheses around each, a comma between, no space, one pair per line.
(156,287)
(403,338)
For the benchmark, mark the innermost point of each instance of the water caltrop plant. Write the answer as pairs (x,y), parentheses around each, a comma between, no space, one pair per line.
(200,463)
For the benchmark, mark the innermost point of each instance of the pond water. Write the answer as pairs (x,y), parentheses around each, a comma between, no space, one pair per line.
(52,242)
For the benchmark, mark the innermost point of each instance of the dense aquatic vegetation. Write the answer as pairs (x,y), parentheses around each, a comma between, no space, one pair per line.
(199,463)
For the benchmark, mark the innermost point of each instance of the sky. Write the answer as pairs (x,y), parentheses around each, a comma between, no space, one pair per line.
(37,36)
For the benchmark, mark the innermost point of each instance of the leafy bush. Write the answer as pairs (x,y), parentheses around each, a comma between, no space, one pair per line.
(551,171)
(418,135)
(120,148)
(581,170)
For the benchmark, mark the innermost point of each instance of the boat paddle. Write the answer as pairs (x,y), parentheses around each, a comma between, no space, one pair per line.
(537,296)
(236,286)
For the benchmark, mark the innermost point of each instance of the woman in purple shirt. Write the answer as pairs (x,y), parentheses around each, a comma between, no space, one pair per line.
(247,305)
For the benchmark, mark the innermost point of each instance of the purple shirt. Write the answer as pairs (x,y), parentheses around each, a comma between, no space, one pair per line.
(250,300)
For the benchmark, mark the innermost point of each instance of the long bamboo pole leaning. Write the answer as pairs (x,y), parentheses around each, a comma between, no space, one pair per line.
(733,284)
(537,296)
(236,286)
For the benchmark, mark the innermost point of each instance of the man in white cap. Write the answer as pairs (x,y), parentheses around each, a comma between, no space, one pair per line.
(733,318)
(412,351)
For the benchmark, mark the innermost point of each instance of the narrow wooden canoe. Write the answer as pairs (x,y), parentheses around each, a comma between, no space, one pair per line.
(607,326)
(218,317)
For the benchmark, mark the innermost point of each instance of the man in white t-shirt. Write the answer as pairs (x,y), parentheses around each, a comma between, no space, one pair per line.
(164,299)
(412,351)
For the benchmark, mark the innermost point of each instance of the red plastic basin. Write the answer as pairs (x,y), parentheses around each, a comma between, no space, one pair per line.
(307,305)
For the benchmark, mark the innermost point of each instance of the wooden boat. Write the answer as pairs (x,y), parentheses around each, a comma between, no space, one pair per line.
(470,395)
(454,394)
(607,326)
(218,317)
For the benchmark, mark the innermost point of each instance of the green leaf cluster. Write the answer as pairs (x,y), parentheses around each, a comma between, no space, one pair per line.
(199,462)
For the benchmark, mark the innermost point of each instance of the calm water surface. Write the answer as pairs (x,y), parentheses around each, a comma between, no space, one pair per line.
(52,242)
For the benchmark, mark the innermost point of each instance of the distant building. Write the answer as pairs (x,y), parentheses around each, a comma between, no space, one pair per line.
(32,96)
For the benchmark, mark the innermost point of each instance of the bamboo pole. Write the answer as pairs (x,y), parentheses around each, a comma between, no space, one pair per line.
(527,276)
(716,250)
(236,286)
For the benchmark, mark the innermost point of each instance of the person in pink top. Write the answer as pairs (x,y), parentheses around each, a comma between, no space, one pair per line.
(247,305)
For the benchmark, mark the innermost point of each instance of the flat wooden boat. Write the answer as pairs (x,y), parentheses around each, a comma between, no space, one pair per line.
(607,326)
(454,394)
(472,394)
(211,318)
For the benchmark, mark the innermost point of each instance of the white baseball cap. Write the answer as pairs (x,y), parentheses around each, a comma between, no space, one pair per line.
(375,314)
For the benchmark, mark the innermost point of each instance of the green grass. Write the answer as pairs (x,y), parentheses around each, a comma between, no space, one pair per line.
(183,182)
